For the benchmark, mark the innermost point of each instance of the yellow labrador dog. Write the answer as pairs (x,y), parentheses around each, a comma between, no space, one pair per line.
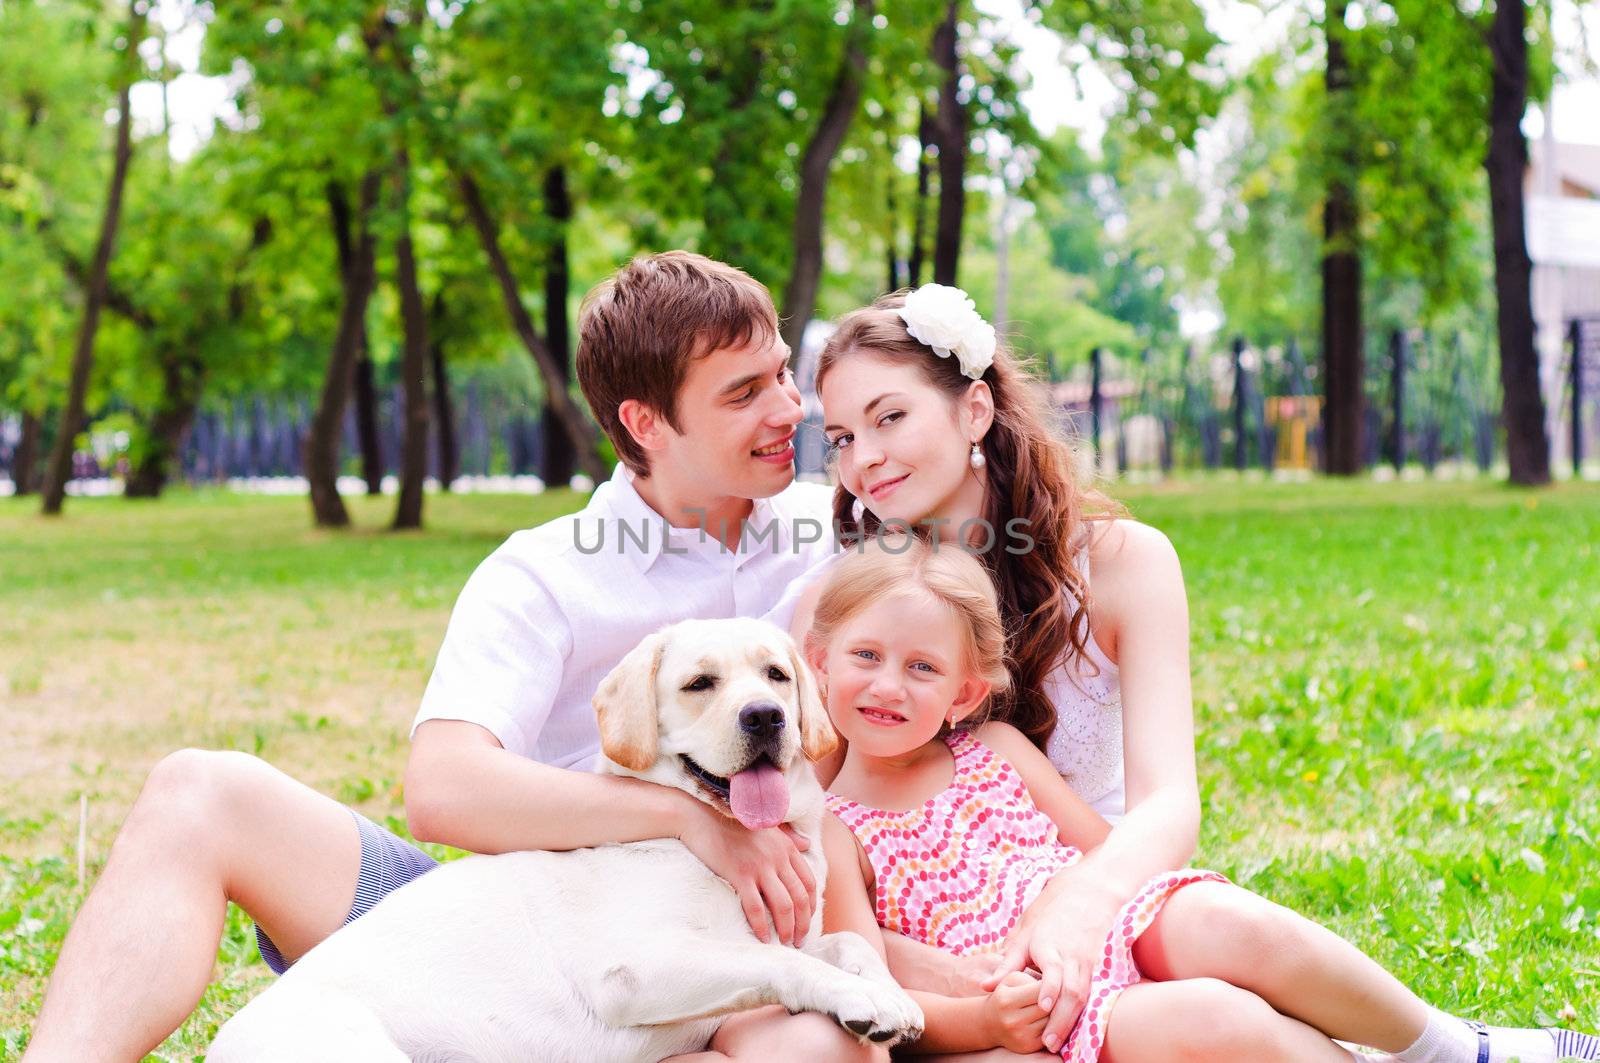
(620,952)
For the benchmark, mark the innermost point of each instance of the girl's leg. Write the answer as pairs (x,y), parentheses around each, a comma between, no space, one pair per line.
(772,1035)
(1215,930)
(1203,1020)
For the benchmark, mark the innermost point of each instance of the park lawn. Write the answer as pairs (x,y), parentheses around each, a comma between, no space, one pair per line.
(1396,697)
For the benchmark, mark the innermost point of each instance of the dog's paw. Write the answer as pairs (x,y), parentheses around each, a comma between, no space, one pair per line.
(850,953)
(877,1014)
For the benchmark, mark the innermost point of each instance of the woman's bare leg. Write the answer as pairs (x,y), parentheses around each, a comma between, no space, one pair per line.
(1215,930)
(1202,1019)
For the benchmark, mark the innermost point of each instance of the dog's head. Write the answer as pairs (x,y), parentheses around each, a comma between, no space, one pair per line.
(723,709)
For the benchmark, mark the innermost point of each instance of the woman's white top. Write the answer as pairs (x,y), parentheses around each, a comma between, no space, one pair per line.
(1086,746)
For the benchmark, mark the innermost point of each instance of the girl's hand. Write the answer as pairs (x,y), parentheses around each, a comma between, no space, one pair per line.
(1015,1019)
(1064,936)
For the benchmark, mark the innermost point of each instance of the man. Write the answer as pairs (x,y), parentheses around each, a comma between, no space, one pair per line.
(680,360)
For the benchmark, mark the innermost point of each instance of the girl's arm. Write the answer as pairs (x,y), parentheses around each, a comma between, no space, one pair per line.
(952,1024)
(1140,604)
(846,903)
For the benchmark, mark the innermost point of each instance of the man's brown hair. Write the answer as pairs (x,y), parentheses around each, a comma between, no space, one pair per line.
(639,329)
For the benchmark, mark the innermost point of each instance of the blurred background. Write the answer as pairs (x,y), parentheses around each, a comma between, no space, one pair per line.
(308,271)
(331,247)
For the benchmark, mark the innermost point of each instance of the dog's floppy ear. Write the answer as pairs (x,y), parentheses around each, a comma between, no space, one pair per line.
(625,706)
(817,736)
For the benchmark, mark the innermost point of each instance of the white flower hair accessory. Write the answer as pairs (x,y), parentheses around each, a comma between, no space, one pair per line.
(947,320)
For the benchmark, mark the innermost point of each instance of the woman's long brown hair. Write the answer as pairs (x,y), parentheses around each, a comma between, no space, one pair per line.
(1044,598)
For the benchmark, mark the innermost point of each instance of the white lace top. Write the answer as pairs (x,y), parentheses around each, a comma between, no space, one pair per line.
(1086,746)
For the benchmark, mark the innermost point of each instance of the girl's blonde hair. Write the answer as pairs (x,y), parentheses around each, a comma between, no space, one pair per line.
(891,563)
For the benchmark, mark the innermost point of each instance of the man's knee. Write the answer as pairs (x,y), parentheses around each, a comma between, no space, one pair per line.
(191,796)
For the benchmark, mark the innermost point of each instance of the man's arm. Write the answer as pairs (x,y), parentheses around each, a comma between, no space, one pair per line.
(464,789)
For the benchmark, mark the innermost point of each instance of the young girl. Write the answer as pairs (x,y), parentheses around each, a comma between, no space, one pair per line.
(949,829)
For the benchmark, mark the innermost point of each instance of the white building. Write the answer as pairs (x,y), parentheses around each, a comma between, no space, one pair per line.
(1563,202)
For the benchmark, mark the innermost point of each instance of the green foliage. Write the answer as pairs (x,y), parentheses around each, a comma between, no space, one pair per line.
(1267,285)
(682,124)
(54,154)
(1410,137)
(1160,53)
(1050,312)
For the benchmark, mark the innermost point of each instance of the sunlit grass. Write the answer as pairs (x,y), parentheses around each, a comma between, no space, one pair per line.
(1395,686)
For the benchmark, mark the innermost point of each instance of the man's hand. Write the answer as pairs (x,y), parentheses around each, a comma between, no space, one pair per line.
(764,867)
(1015,1019)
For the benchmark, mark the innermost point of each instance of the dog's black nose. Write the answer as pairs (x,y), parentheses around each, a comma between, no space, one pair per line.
(761,720)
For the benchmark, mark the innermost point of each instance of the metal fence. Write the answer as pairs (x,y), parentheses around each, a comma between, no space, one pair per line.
(1432,401)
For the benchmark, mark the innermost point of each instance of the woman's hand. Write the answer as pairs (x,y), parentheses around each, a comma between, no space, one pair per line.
(764,867)
(1063,935)
(1015,1019)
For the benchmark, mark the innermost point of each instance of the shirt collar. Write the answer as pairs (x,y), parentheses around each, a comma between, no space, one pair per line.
(620,501)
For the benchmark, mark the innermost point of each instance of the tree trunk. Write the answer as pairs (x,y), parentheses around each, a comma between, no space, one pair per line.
(952,125)
(413,363)
(560,460)
(583,437)
(24,461)
(892,236)
(1344,400)
(366,394)
(1527,444)
(182,377)
(366,410)
(60,467)
(805,273)
(443,410)
(926,136)
(1002,264)
(322,440)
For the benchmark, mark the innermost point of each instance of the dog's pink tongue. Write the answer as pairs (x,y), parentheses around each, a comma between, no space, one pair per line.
(759,796)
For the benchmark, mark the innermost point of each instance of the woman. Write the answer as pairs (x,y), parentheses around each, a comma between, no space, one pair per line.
(931,423)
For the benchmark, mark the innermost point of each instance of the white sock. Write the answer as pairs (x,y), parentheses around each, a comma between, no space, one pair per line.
(1447,1039)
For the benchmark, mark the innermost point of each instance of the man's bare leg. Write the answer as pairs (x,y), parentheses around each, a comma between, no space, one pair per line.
(207,828)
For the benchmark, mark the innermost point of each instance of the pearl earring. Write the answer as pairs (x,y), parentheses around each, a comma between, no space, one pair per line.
(976,459)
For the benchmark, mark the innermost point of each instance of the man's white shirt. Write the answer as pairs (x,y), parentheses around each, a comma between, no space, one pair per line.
(549,613)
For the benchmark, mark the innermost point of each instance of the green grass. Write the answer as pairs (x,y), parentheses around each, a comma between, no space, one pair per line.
(1396,693)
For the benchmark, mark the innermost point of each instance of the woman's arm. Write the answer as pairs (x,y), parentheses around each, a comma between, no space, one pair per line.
(1141,609)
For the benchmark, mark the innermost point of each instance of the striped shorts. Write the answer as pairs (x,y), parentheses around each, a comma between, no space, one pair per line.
(387,863)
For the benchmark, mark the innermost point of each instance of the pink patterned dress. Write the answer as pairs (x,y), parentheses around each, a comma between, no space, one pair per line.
(959,872)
